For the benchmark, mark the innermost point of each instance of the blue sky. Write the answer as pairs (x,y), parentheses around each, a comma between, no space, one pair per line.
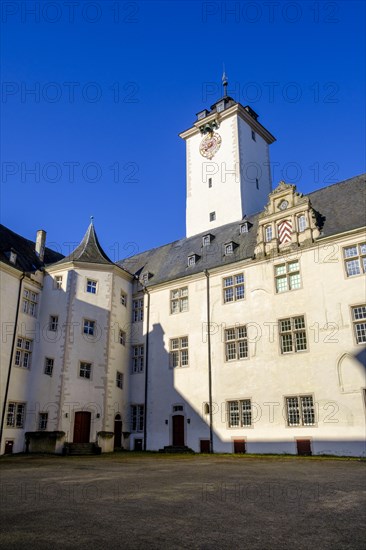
(115,82)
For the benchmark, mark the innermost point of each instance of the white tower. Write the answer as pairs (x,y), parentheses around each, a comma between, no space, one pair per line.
(228,171)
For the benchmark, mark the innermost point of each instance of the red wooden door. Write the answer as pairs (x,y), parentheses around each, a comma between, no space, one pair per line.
(178,430)
(82,427)
(239,446)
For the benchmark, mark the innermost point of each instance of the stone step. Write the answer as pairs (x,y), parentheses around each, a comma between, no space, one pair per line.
(81,449)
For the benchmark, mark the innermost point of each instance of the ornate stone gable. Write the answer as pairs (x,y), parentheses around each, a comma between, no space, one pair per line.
(287,222)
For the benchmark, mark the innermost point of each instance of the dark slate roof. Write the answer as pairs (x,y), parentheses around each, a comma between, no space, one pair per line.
(89,250)
(27,259)
(341,207)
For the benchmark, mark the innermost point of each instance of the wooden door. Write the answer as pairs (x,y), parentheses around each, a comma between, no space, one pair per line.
(239,446)
(82,427)
(117,432)
(178,430)
(9,447)
(303,447)
(204,445)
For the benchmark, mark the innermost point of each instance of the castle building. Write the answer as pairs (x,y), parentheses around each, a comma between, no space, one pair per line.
(248,335)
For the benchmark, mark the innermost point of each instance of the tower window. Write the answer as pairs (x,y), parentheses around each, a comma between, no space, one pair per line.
(210,182)
(301,223)
(257,183)
(212,216)
(268,233)
(254,137)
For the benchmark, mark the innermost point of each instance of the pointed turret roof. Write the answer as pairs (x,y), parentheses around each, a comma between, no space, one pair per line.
(89,250)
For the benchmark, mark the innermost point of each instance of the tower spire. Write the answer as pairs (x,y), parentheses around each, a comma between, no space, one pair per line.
(224,81)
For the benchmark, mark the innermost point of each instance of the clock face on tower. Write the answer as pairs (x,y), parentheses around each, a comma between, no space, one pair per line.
(210,145)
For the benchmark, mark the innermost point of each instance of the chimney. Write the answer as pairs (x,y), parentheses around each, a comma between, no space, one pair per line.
(40,244)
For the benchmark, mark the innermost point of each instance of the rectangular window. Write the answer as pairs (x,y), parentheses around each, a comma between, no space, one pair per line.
(85,370)
(179,300)
(210,182)
(16,415)
(300,411)
(119,380)
(23,352)
(137,359)
(42,421)
(91,286)
(239,413)
(257,183)
(254,138)
(137,418)
(268,233)
(138,310)
(359,323)
(48,366)
(123,299)
(206,240)
(287,276)
(301,223)
(30,300)
(179,352)
(58,282)
(53,323)
(355,259)
(236,343)
(233,288)
(122,338)
(89,327)
(293,334)
(212,216)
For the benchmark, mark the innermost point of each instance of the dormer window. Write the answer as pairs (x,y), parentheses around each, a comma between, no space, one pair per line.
(202,114)
(192,259)
(301,223)
(244,227)
(268,233)
(13,257)
(145,277)
(220,106)
(207,239)
(229,248)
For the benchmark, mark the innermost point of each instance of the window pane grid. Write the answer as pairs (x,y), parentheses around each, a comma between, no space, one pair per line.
(293,334)
(233,288)
(357,264)
(179,300)
(287,276)
(239,413)
(179,356)
(359,323)
(137,359)
(236,346)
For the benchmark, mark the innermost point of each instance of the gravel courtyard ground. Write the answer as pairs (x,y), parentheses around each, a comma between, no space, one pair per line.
(143,501)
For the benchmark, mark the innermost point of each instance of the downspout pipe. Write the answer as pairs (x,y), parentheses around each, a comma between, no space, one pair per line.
(146,363)
(11,357)
(209,357)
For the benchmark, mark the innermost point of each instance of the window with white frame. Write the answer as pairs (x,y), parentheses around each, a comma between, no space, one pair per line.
(42,421)
(359,323)
(58,282)
(179,300)
(355,259)
(239,413)
(268,233)
(293,334)
(206,240)
(30,300)
(287,276)
(89,327)
(16,415)
(122,337)
(229,249)
(137,358)
(119,380)
(191,260)
(23,352)
(91,286)
(236,343)
(300,410)
(138,310)
(233,288)
(137,418)
(301,223)
(244,228)
(179,352)
(123,298)
(85,370)
(53,323)
(212,216)
(48,366)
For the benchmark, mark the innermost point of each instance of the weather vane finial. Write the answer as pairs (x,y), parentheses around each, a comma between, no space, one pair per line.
(92,220)
(224,80)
